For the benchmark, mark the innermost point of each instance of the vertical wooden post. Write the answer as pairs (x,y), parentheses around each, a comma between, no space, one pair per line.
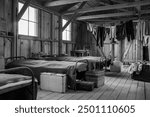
(120,50)
(53,32)
(15,28)
(60,35)
(113,50)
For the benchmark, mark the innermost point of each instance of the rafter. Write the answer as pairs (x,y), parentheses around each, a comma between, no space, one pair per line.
(24,8)
(62,2)
(109,7)
(64,9)
(130,13)
(119,1)
(74,16)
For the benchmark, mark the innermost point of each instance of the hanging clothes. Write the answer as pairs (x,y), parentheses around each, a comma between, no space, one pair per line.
(101,35)
(112,32)
(147,27)
(120,32)
(145,53)
(130,30)
(92,28)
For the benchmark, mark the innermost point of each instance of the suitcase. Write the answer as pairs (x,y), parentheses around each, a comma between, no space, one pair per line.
(98,77)
(53,82)
(84,85)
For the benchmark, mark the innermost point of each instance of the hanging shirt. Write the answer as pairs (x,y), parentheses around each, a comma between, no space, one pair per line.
(147,27)
(130,30)
(120,32)
(101,35)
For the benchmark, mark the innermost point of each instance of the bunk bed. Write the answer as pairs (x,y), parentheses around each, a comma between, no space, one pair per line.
(39,66)
(16,86)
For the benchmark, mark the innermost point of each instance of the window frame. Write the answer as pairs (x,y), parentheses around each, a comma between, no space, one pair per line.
(37,22)
(66,30)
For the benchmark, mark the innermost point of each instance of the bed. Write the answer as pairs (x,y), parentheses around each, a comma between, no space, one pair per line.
(16,86)
(93,62)
(64,67)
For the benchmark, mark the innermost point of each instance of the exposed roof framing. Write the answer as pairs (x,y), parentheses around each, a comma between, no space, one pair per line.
(22,11)
(130,13)
(62,10)
(99,10)
(109,7)
(62,2)
(74,16)
(119,1)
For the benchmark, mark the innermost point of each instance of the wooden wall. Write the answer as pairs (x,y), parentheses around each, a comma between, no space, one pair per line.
(5,27)
(48,40)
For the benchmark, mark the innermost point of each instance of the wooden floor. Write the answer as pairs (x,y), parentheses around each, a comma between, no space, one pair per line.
(118,86)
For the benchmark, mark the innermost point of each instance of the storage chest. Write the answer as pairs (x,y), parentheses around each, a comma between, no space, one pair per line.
(53,82)
(98,77)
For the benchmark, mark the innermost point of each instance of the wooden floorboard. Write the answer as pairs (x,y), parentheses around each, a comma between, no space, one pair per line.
(124,92)
(114,95)
(118,86)
(110,89)
(147,91)
(101,90)
(132,92)
(140,95)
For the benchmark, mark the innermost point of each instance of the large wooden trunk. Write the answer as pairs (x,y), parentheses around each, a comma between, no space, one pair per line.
(53,82)
(98,77)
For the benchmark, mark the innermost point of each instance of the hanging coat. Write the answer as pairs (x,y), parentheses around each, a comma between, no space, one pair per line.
(101,35)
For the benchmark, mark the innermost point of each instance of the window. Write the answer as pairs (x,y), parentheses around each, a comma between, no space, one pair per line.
(67,32)
(28,24)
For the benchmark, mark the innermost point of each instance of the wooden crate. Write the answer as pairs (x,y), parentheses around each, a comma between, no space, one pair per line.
(98,77)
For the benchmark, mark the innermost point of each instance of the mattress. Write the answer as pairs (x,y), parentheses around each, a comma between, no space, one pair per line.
(69,58)
(13,80)
(94,62)
(39,66)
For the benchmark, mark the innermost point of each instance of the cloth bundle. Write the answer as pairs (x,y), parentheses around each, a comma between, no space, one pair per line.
(135,67)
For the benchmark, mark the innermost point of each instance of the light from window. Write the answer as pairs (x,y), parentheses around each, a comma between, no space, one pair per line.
(28,24)
(66,35)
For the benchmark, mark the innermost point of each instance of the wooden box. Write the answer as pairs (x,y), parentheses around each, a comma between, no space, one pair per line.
(53,82)
(98,77)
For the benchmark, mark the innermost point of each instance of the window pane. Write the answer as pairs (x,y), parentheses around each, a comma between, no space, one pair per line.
(33,14)
(64,22)
(64,37)
(25,15)
(68,27)
(33,29)
(23,27)
(67,32)
(68,35)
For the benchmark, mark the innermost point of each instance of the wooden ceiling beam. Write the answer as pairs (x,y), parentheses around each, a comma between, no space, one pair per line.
(109,7)
(138,8)
(62,2)
(130,13)
(24,8)
(103,3)
(119,1)
(74,16)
